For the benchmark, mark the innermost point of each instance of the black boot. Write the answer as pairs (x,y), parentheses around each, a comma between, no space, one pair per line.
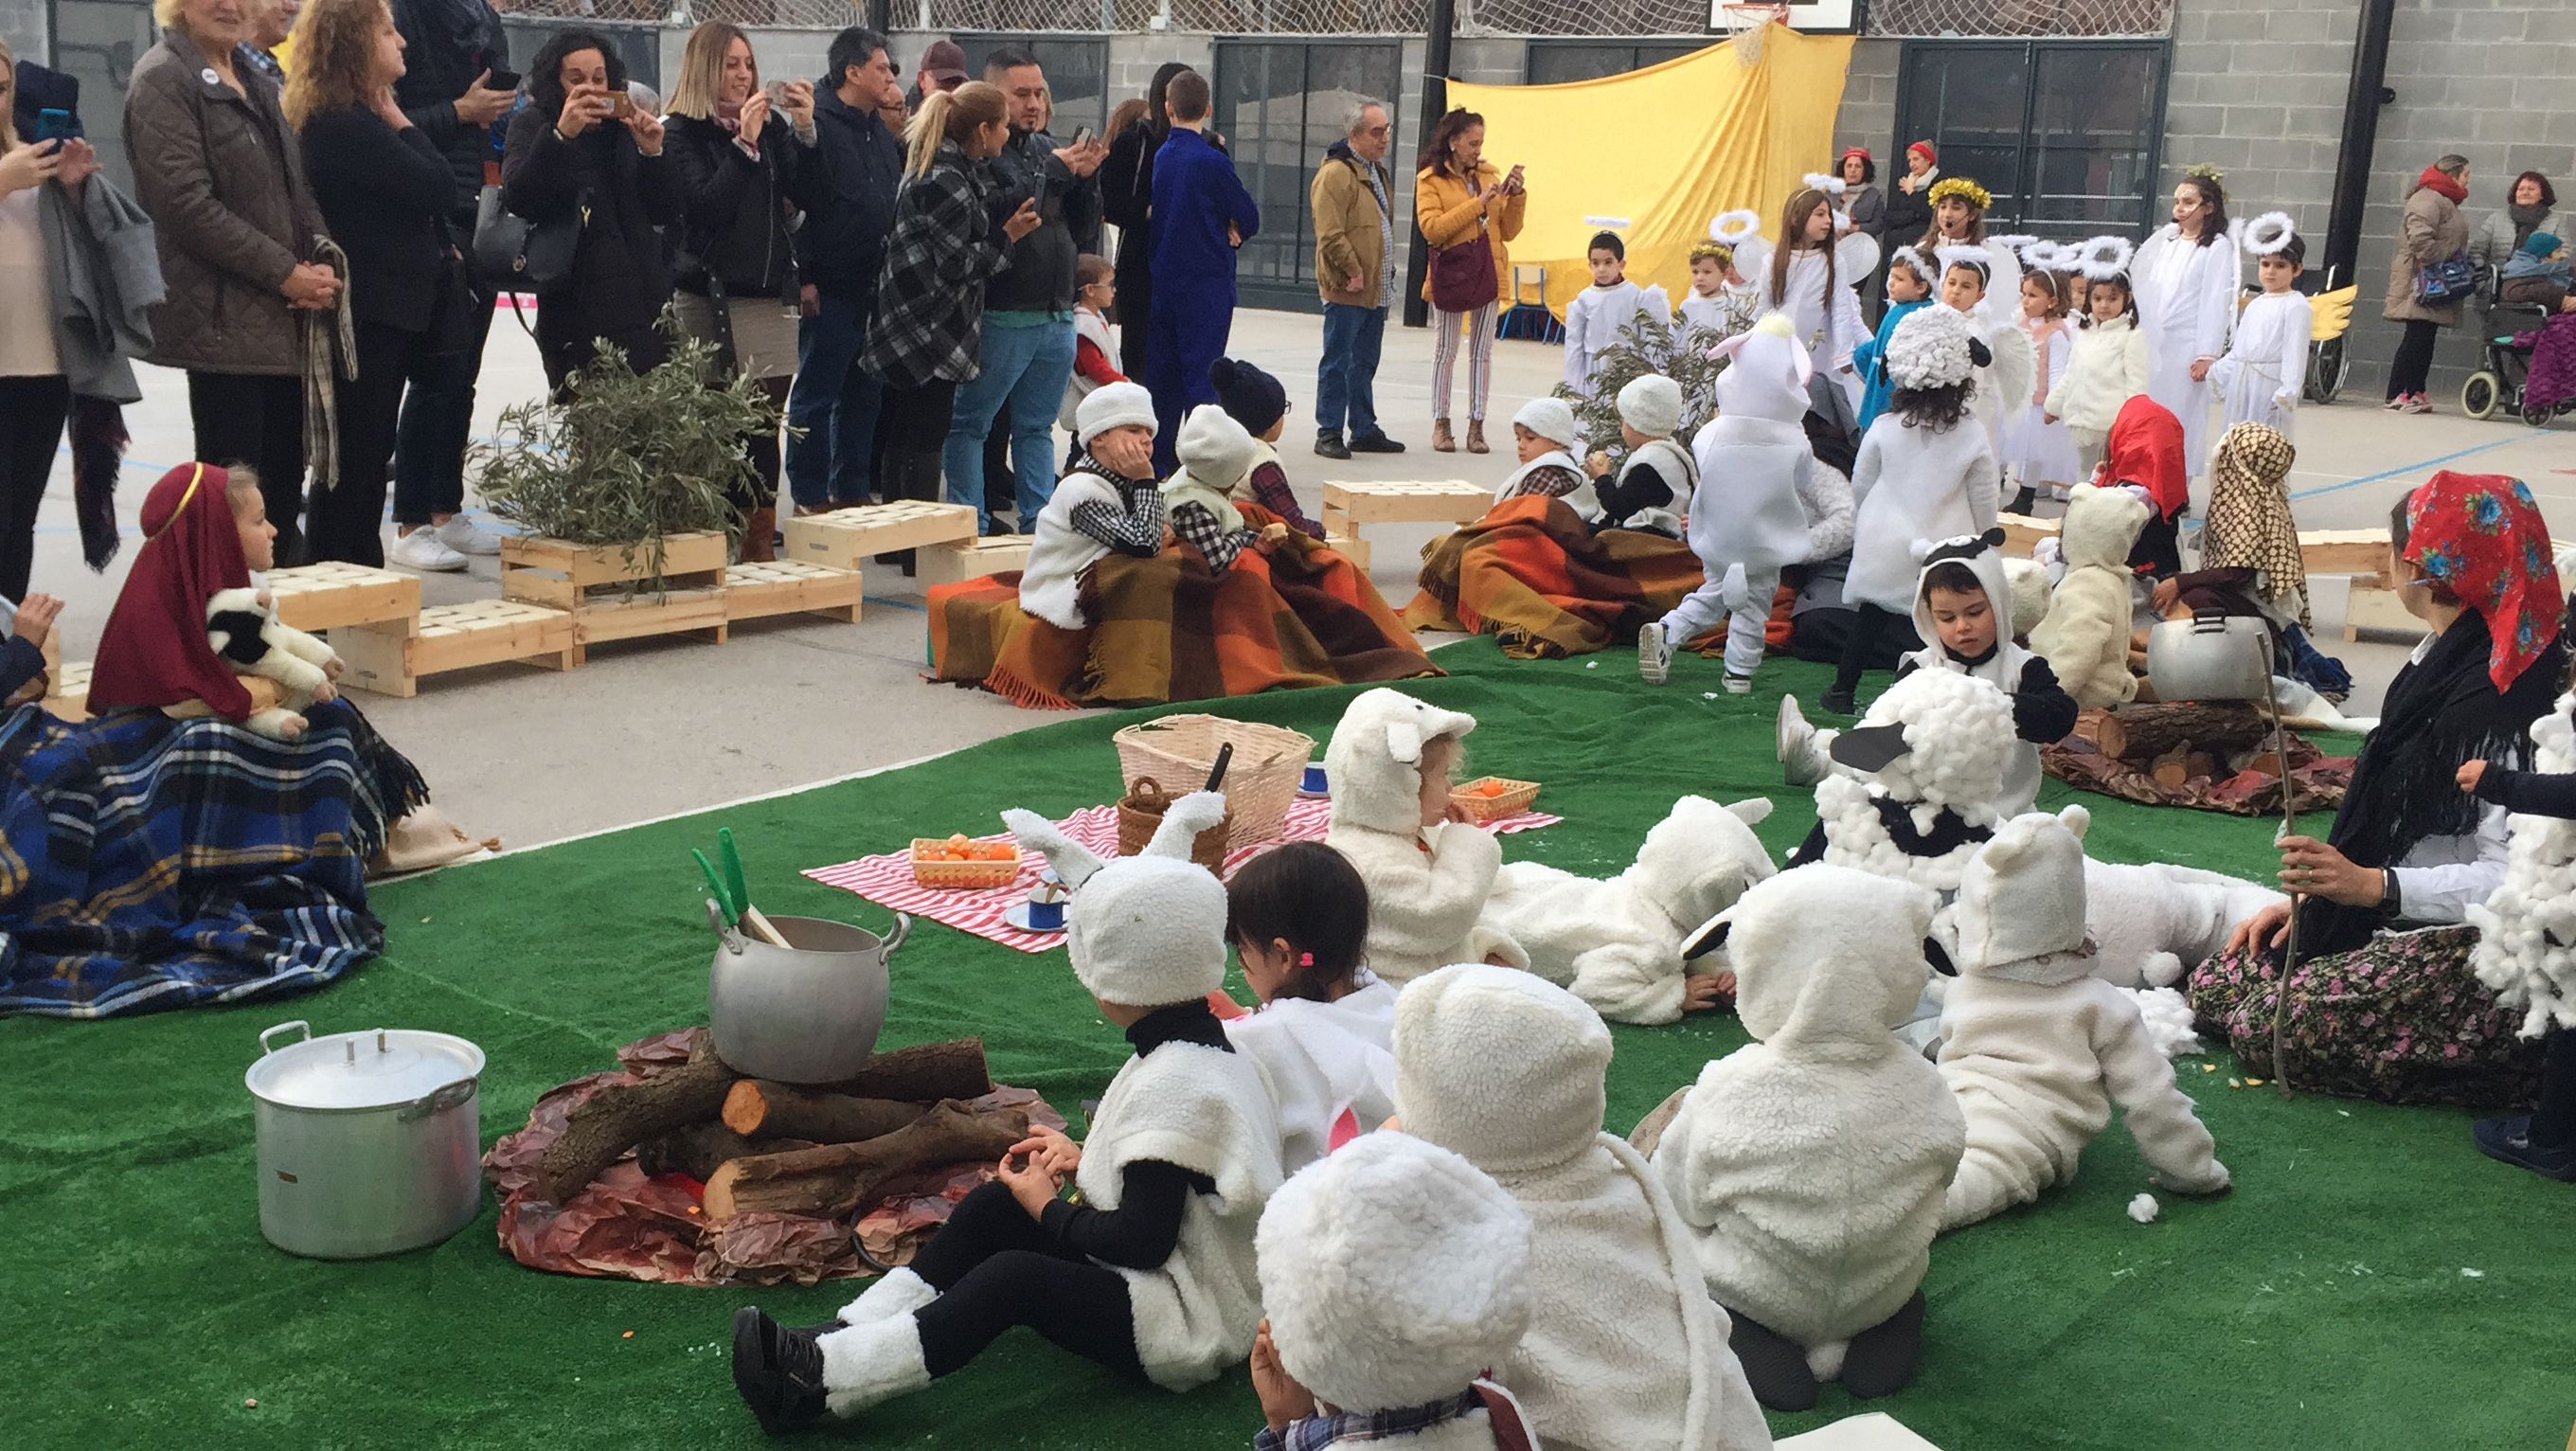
(1881,1359)
(1774,1365)
(778,1371)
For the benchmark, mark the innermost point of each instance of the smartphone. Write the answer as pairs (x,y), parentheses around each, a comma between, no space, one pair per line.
(777,93)
(501,81)
(620,105)
(53,124)
(1082,135)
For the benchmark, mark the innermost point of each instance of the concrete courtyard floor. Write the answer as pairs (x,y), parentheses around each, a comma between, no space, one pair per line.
(648,729)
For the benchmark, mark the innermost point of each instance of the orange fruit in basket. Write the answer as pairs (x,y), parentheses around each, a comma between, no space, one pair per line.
(1001,851)
(1490,790)
(958,841)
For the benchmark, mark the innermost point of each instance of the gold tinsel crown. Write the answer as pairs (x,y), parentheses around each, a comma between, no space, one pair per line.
(1962,188)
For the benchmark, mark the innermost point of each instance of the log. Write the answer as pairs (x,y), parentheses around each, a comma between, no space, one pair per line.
(2171,769)
(621,1115)
(836,1180)
(2140,733)
(698,1149)
(758,1108)
(923,1073)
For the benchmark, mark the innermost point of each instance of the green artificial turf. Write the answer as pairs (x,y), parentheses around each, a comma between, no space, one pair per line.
(2372,1282)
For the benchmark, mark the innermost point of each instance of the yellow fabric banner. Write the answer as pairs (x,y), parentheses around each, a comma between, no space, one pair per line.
(1654,154)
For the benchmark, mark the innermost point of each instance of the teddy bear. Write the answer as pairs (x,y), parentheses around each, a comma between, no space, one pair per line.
(2085,637)
(243,627)
(1618,943)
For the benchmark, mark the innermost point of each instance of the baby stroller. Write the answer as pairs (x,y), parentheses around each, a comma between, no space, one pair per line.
(2511,337)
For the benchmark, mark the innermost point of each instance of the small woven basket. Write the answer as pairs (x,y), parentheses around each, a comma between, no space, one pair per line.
(1259,784)
(1515,798)
(944,873)
(1141,815)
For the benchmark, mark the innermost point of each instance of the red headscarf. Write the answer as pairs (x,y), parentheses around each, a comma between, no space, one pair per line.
(2445,183)
(155,651)
(2482,537)
(2145,448)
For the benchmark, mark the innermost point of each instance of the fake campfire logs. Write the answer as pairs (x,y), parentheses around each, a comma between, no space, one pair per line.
(771,1147)
(2179,741)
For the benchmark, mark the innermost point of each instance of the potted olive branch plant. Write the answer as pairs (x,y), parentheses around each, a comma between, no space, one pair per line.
(1647,345)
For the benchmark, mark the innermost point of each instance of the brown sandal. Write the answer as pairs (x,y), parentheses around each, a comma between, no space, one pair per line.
(1441,442)
(1476,436)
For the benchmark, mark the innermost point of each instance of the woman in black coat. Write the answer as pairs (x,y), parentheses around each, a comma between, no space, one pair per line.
(582,148)
(1126,199)
(385,192)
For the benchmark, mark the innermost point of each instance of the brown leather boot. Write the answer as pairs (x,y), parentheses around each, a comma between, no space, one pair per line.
(760,536)
(1441,442)
(1476,436)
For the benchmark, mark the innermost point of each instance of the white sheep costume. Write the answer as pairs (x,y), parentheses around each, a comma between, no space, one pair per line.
(1423,905)
(2527,926)
(2035,1047)
(1812,1161)
(1394,1274)
(1626,1351)
(1926,765)
(2086,635)
(1144,931)
(1619,943)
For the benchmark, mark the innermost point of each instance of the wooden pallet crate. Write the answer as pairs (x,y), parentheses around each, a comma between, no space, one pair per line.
(970,559)
(69,699)
(560,574)
(1350,547)
(385,660)
(1408,501)
(2361,553)
(318,597)
(786,587)
(634,617)
(848,538)
(2022,532)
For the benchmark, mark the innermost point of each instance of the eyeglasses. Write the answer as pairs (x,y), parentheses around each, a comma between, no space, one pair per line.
(1375,130)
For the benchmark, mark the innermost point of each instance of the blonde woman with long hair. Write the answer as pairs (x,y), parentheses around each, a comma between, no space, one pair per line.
(930,300)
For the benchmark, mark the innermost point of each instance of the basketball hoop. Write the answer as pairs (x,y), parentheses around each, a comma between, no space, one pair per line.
(1745,27)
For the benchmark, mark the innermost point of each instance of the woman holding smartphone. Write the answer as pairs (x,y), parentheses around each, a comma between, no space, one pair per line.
(35,395)
(1461,201)
(580,142)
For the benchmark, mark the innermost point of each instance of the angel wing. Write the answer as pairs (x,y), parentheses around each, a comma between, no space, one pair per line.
(2003,289)
(1856,256)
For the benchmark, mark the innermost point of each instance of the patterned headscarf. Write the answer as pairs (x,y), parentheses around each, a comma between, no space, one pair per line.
(2481,536)
(2250,525)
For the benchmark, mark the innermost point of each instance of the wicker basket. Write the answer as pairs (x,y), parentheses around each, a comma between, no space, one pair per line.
(1515,798)
(945,873)
(1268,763)
(1141,815)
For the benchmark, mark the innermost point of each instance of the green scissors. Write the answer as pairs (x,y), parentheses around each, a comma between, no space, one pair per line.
(731,896)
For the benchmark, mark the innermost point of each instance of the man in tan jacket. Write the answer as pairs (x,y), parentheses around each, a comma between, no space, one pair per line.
(1355,271)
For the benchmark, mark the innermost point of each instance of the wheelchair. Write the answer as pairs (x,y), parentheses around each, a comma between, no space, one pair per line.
(2497,386)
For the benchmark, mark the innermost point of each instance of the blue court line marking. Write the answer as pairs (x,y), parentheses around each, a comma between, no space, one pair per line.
(2400,471)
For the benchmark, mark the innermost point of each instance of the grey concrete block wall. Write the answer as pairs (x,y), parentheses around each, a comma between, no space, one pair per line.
(1867,117)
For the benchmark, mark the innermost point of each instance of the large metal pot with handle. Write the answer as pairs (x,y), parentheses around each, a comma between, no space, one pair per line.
(369,1143)
(808,1012)
(2210,657)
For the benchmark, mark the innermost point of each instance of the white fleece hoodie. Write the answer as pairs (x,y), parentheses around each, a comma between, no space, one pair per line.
(1427,885)
(1319,1060)
(1625,1352)
(2086,635)
(2035,1047)
(1812,1161)
(1619,943)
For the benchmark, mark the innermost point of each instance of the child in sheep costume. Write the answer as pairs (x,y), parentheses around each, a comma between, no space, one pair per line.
(1394,1274)
(1619,943)
(1812,1161)
(2035,1047)
(1746,520)
(2086,634)
(2527,937)
(1923,771)
(1427,877)
(1626,1351)
(1153,1272)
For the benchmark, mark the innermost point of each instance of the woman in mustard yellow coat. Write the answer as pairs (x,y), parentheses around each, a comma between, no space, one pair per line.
(1461,200)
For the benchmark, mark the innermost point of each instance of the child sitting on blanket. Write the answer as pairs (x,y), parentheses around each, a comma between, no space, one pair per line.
(1428,869)
(22,655)
(1152,1273)
(1653,487)
(1254,399)
(1545,435)
(1298,916)
(1214,451)
(1394,1274)
(1106,503)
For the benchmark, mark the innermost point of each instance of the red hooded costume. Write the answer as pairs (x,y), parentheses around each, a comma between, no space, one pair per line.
(155,651)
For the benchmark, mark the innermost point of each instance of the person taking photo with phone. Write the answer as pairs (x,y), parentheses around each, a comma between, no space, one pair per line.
(1465,206)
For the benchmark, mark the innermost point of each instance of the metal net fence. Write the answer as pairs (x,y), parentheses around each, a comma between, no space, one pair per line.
(2060,19)
(1221,17)
(1583,17)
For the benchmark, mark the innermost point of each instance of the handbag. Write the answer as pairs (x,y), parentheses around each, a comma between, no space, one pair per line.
(513,254)
(1462,277)
(2448,280)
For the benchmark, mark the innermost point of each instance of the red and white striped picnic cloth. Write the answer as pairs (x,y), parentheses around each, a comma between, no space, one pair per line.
(887,880)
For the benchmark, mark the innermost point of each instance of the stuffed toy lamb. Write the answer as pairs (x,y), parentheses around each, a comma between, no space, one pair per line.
(1619,943)
(1427,884)
(1813,1160)
(2085,638)
(2152,924)
(2527,928)
(2035,1047)
(1915,794)
(243,628)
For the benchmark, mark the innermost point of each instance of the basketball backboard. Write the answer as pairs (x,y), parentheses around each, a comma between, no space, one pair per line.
(1809,17)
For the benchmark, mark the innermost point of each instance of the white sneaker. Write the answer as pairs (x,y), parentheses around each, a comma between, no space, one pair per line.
(1793,740)
(1654,656)
(466,537)
(1738,684)
(421,550)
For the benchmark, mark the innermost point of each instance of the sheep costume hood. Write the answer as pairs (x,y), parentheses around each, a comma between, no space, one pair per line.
(1754,456)
(1625,1350)
(1922,772)
(2527,927)
(2085,637)
(1394,1274)
(1618,943)
(1812,1161)
(1983,556)
(2034,1046)
(1423,906)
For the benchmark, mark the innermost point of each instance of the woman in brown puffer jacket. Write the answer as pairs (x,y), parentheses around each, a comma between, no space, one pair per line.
(2430,230)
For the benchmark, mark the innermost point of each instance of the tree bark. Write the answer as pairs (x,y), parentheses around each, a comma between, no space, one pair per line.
(837,1180)
(621,1115)
(761,1109)
(2140,733)
(922,1074)
(699,1149)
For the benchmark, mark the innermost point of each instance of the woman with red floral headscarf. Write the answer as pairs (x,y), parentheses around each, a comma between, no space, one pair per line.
(2374,1007)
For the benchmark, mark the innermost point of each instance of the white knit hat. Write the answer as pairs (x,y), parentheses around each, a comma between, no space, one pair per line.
(1650,404)
(1500,1065)
(1549,418)
(2022,896)
(1930,350)
(1394,1272)
(1375,758)
(1213,448)
(1144,931)
(1112,405)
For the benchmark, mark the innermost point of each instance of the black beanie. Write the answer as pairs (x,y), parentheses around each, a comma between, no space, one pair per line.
(1250,396)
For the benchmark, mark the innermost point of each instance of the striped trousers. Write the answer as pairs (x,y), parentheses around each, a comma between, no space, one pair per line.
(1480,358)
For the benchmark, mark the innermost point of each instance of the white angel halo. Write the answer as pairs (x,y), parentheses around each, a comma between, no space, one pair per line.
(2269,233)
(1826,182)
(1735,228)
(2045,255)
(2103,258)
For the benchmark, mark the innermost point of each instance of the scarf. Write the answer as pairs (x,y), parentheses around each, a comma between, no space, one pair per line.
(2443,182)
(2526,220)
(2481,535)
(2145,448)
(154,650)
(2250,525)
(330,354)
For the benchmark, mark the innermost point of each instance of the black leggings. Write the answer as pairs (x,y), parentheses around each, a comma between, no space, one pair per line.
(1869,623)
(995,1268)
(257,419)
(2553,1123)
(2414,361)
(31,432)
(914,426)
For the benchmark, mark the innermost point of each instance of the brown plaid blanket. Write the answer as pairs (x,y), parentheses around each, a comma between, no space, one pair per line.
(1534,575)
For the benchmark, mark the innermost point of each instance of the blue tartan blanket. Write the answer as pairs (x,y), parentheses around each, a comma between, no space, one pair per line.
(147,863)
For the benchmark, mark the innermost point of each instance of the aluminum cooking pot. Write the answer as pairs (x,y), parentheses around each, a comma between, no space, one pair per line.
(2210,657)
(369,1143)
(809,1012)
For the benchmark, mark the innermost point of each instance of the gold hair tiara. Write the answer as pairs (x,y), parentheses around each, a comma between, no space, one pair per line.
(1962,188)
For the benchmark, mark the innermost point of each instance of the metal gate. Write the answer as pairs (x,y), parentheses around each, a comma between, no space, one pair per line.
(1279,105)
(2065,134)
